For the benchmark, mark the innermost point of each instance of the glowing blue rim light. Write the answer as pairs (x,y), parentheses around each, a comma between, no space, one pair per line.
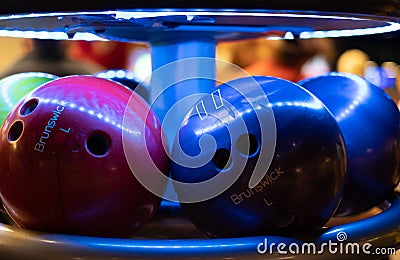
(50,35)
(121,14)
(191,14)
(390,26)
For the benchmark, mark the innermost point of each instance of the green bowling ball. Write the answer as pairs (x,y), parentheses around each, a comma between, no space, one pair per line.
(13,88)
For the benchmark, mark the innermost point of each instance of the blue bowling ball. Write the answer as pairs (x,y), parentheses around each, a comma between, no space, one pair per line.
(301,187)
(370,124)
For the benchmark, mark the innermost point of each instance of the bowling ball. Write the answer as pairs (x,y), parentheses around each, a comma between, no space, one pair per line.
(127,79)
(370,124)
(13,88)
(62,166)
(301,188)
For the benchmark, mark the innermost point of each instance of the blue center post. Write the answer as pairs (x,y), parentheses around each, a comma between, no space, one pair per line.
(180,74)
(183,71)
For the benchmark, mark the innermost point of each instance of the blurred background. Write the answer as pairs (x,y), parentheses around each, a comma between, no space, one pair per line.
(374,57)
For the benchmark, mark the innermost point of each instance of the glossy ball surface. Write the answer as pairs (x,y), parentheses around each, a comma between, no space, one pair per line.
(303,184)
(370,123)
(63,167)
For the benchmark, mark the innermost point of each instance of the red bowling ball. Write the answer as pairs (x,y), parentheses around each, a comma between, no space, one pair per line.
(62,162)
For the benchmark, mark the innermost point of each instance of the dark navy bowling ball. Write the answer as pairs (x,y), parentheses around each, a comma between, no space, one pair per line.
(301,188)
(370,123)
